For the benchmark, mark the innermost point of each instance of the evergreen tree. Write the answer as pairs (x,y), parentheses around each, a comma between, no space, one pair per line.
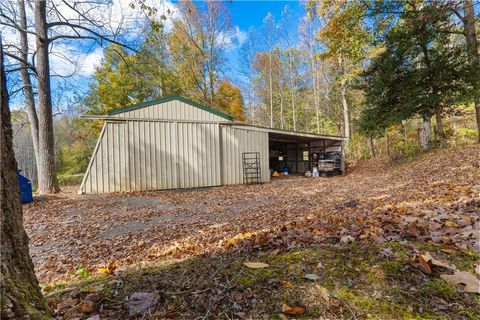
(419,71)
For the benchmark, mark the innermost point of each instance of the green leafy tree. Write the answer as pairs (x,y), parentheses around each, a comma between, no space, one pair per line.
(418,71)
(199,38)
(345,38)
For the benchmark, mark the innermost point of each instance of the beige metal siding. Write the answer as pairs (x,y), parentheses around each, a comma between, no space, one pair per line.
(154,155)
(174,110)
(236,141)
(198,155)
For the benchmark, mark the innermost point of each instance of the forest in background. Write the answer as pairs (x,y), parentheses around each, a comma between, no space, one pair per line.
(393,77)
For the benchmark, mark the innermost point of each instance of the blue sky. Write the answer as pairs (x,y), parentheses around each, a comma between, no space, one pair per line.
(247,14)
(251,13)
(244,14)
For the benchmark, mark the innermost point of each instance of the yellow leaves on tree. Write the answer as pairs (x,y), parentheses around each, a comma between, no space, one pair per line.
(344,33)
(229,99)
(115,80)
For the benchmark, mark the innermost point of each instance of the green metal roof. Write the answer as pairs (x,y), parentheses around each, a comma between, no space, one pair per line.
(167,99)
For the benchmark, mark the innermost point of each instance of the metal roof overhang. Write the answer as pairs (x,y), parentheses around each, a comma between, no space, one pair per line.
(290,136)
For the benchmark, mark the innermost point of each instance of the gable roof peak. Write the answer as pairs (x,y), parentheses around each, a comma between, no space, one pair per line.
(167,99)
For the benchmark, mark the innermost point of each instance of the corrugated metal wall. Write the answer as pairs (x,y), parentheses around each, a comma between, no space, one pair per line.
(175,110)
(198,155)
(236,141)
(154,155)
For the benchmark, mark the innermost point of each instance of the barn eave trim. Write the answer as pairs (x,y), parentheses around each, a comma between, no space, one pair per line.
(167,99)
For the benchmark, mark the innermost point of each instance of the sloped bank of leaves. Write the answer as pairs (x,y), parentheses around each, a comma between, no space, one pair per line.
(433,199)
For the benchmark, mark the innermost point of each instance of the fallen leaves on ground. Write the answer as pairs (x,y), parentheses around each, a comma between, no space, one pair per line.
(324,293)
(434,198)
(112,266)
(292,311)
(286,284)
(311,276)
(86,306)
(424,264)
(471,282)
(220,286)
(141,303)
(428,259)
(256,265)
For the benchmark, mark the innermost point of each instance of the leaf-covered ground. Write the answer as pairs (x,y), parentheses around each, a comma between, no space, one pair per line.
(359,236)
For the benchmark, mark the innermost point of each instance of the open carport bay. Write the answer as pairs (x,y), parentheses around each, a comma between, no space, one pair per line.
(299,153)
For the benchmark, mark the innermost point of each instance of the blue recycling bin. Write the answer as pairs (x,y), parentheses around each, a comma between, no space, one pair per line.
(25,187)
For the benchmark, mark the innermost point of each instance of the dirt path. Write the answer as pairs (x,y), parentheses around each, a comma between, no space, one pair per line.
(68,231)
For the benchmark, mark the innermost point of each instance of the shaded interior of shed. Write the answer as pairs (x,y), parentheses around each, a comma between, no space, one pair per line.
(295,152)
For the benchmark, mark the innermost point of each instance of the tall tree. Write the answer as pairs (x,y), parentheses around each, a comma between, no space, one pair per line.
(19,289)
(419,71)
(345,38)
(249,74)
(267,66)
(270,33)
(288,39)
(309,42)
(25,69)
(469,21)
(125,78)
(47,175)
(82,22)
(198,41)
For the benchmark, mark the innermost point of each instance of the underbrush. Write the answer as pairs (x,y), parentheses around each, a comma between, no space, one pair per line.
(69,179)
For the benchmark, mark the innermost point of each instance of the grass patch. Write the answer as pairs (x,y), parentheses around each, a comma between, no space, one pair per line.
(365,284)
(441,289)
(392,267)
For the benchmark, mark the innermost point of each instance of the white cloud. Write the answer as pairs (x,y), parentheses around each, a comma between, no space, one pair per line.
(124,18)
(234,39)
(115,17)
(66,60)
(90,62)
(63,60)
(241,36)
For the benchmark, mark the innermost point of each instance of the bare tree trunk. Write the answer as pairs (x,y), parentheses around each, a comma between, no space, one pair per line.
(346,119)
(372,148)
(404,132)
(211,76)
(425,135)
(271,89)
(294,119)
(315,94)
(388,143)
(21,296)
(27,83)
(46,166)
(252,105)
(253,114)
(282,118)
(440,130)
(343,92)
(473,55)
